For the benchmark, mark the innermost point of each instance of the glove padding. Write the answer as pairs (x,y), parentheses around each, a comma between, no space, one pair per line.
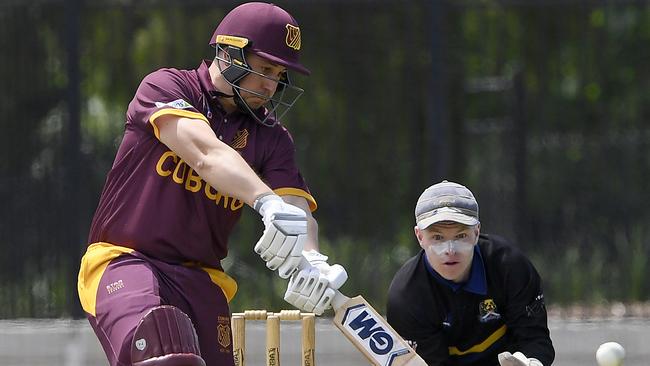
(285,232)
(313,288)
(517,359)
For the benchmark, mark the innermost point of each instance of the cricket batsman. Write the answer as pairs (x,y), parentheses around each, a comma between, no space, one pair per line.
(198,145)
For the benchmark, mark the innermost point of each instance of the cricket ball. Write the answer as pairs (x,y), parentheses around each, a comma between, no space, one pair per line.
(610,354)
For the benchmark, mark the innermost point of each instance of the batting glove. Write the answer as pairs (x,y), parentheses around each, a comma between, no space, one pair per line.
(517,359)
(313,288)
(285,232)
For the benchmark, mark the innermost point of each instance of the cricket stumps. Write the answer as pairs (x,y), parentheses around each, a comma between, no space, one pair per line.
(273,335)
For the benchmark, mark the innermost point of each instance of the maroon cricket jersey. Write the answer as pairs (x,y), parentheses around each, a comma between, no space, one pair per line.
(155,203)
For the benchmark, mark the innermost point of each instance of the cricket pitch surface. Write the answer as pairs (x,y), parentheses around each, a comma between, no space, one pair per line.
(30,342)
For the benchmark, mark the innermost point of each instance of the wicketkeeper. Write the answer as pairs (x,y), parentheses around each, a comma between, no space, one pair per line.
(467,298)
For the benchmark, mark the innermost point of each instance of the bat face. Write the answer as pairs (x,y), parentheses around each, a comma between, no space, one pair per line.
(373,336)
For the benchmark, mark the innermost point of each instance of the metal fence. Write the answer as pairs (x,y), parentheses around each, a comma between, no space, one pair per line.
(540,107)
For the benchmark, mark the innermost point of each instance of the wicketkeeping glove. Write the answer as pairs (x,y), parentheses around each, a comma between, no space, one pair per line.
(517,359)
(285,232)
(313,288)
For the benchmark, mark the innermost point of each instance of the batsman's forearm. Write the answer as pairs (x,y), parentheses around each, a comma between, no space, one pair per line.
(217,163)
(312,233)
(226,171)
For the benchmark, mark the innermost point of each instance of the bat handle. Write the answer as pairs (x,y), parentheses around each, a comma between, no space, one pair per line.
(339,299)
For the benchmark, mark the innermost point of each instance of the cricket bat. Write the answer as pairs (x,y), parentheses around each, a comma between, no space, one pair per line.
(371,333)
(367,330)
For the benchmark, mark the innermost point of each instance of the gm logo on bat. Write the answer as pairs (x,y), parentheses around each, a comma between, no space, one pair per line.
(380,342)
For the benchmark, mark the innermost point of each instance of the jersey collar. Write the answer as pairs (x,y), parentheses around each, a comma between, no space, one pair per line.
(203,73)
(204,77)
(477,282)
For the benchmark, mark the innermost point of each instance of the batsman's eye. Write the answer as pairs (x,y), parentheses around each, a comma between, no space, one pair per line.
(271,72)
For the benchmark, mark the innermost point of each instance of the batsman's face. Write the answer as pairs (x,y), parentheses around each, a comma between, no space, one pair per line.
(449,247)
(258,87)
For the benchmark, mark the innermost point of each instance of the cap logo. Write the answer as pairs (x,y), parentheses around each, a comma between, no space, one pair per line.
(446,202)
(293,37)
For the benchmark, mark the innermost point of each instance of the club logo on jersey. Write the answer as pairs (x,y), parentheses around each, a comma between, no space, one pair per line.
(240,139)
(362,323)
(488,311)
(293,37)
(177,104)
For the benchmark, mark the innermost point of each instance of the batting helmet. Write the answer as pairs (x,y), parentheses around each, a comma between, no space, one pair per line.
(271,33)
(266,30)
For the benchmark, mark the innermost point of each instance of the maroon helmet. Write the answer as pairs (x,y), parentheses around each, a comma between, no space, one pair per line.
(265,29)
(271,33)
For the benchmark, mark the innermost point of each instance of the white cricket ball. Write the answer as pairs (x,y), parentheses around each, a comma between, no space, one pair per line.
(610,354)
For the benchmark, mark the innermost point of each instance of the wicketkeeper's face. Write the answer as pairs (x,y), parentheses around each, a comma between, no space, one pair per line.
(449,247)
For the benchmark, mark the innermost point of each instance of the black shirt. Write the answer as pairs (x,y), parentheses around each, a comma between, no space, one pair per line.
(500,308)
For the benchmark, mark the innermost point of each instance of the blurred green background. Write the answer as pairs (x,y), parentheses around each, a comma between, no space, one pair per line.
(541,107)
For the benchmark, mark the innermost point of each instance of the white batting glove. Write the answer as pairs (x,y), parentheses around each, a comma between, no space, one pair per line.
(285,232)
(517,359)
(313,288)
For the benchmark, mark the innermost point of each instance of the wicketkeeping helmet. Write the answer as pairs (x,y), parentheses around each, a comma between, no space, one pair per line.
(269,32)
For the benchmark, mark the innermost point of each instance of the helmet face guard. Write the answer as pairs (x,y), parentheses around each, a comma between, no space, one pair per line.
(237,68)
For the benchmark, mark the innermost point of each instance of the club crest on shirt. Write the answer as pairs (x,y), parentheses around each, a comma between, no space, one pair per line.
(487,310)
(240,139)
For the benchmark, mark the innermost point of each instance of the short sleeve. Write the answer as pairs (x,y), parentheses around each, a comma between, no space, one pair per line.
(280,170)
(162,92)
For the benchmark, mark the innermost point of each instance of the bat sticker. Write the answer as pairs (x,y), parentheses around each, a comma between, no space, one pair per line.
(362,323)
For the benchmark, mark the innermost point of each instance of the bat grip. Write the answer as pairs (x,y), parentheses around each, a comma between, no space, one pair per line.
(339,299)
